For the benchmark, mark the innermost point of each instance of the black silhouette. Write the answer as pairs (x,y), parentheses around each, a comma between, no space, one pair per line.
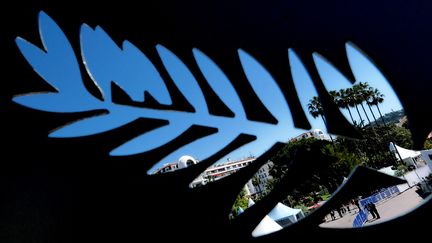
(371,207)
(57,190)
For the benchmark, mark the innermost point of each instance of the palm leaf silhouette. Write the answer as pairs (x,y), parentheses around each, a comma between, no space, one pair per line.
(219,82)
(128,63)
(183,78)
(46,62)
(57,49)
(73,96)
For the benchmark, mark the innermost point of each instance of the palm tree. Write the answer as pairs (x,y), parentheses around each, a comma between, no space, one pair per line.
(336,98)
(377,98)
(351,95)
(369,93)
(315,109)
(344,102)
(361,96)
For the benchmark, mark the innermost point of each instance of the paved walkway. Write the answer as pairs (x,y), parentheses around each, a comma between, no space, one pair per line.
(387,209)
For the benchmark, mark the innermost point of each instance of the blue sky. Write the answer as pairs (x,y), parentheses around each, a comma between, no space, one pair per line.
(128,66)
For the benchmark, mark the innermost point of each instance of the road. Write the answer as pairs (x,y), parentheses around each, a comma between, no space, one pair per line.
(388,209)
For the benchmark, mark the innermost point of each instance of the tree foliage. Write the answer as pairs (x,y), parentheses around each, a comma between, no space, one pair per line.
(401,169)
(337,166)
(372,151)
(428,144)
(241,201)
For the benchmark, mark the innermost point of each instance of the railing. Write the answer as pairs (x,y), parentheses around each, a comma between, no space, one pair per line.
(362,215)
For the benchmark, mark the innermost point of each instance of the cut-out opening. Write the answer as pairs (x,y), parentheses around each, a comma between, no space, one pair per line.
(254,190)
(387,203)
(370,103)
(386,148)
(378,206)
(182,163)
(221,170)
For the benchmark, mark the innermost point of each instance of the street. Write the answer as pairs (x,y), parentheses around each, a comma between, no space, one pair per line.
(388,209)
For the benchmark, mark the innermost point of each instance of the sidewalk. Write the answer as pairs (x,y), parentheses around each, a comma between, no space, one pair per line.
(387,209)
(396,206)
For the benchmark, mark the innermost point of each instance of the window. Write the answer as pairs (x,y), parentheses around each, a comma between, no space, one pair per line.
(189,162)
(430,156)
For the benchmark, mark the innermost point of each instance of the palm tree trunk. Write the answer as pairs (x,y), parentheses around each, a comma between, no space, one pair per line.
(358,112)
(365,112)
(382,119)
(325,123)
(349,111)
(370,108)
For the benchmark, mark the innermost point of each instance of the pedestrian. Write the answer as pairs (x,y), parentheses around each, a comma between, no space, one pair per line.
(339,212)
(374,210)
(332,215)
(356,202)
(368,206)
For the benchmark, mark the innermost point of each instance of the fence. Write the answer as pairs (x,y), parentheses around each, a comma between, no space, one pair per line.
(362,215)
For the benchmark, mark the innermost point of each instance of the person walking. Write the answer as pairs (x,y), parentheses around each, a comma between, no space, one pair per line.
(356,203)
(332,214)
(374,210)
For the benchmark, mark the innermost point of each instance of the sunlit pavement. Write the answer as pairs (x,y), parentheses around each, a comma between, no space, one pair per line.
(388,209)
(396,206)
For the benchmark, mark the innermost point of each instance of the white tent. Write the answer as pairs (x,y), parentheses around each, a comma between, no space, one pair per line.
(388,170)
(281,213)
(344,180)
(406,155)
(240,210)
(266,226)
(250,202)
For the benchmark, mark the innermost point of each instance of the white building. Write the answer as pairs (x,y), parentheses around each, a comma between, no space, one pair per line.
(316,133)
(183,162)
(253,187)
(257,185)
(219,171)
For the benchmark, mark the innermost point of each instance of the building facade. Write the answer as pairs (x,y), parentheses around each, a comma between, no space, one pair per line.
(253,188)
(316,133)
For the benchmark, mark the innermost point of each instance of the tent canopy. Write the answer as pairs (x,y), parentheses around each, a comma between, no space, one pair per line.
(250,202)
(266,226)
(404,153)
(388,170)
(281,211)
(240,210)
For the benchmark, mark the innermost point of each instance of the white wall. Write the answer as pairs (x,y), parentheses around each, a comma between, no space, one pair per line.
(425,155)
(415,176)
